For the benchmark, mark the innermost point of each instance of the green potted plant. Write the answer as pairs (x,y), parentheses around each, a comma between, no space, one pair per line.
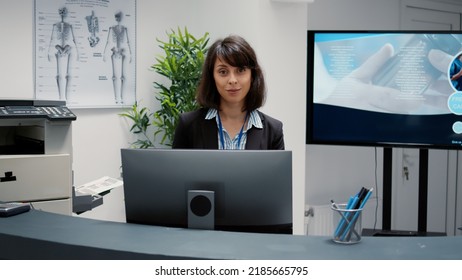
(181,63)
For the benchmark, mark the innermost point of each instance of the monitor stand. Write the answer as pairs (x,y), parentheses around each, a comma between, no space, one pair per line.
(201,209)
(394,233)
(387,198)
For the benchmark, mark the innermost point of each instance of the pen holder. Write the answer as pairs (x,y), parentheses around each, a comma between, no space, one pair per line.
(347,224)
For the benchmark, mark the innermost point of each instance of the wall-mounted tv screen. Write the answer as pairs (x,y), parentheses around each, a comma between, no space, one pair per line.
(385,88)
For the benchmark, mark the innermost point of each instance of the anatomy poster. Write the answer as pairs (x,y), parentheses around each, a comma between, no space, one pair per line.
(85,52)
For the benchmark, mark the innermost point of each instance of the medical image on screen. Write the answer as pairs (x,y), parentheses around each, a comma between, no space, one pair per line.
(385,88)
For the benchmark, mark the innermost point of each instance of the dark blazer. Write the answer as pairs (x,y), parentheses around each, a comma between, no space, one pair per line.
(195,132)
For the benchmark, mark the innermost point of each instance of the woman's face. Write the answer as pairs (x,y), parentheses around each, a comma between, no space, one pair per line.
(233,83)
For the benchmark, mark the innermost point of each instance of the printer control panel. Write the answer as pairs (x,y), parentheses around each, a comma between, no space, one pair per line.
(50,112)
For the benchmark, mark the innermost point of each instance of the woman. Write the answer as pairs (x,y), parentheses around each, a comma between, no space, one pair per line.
(230,91)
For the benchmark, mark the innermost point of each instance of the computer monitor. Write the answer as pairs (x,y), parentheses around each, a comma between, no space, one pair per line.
(252,189)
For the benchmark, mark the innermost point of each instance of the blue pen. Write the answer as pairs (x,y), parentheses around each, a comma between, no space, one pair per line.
(351,202)
(340,224)
(364,196)
(357,214)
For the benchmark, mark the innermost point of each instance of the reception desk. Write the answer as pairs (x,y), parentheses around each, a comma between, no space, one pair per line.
(41,235)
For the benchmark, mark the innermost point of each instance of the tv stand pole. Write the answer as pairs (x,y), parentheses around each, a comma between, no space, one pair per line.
(387,189)
(423,190)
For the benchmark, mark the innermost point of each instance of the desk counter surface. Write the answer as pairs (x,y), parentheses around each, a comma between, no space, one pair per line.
(41,235)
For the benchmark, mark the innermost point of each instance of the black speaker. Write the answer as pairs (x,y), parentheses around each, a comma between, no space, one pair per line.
(201,209)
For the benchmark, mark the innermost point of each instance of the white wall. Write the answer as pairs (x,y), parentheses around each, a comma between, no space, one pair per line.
(354,14)
(276,30)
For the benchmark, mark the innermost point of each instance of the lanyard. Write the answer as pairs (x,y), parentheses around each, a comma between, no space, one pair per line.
(222,138)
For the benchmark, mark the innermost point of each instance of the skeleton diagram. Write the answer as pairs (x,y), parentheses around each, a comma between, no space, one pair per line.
(62,42)
(118,43)
(93,29)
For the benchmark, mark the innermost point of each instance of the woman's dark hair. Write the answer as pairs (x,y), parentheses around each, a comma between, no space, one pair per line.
(235,51)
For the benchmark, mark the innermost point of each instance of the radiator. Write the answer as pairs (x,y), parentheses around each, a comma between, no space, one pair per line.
(318,220)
